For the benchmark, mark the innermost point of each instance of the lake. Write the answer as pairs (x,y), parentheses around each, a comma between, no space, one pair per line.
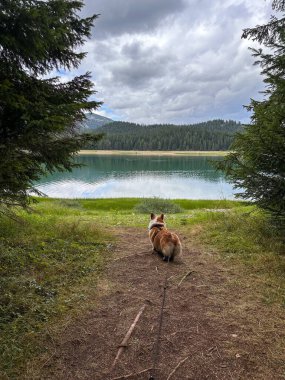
(102,176)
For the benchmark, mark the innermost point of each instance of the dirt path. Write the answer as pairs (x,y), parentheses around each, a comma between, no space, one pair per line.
(211,319)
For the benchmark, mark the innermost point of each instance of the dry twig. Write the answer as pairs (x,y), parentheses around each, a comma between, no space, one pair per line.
(123,345)
(186,275)
(178,365)
(131,374)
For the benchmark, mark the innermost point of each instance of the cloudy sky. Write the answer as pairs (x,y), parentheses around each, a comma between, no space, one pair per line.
(175,61)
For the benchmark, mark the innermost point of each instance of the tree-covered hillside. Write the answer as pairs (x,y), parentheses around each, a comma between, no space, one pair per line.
(210,135)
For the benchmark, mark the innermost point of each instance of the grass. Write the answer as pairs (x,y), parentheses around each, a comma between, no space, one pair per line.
(246,237)
(155,152)
(46,262)
(128,204)
(51,262)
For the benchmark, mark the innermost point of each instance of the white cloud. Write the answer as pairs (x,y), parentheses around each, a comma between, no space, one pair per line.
(174,61)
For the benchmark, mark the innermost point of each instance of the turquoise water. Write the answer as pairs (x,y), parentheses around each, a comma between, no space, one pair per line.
(139,176)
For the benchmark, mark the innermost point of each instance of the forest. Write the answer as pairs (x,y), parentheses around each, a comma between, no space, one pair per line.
(210,135)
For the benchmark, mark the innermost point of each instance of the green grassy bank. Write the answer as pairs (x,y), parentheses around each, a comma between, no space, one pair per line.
(155,152)
(51,261)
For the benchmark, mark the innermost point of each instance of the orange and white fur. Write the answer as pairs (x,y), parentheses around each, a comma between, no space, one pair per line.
(163,241)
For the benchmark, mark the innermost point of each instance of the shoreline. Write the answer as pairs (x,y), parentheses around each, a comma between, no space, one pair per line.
(87,152)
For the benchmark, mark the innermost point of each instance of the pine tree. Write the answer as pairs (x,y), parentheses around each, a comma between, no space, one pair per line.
(39,117)
(257,165)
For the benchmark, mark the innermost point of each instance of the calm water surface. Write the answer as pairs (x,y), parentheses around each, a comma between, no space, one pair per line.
(139,176)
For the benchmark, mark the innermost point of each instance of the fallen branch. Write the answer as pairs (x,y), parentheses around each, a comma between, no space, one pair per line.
(131,374)
(186,275)
(123,345)
(178,365)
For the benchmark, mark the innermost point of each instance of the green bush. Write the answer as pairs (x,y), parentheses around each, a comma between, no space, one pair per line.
(157,206)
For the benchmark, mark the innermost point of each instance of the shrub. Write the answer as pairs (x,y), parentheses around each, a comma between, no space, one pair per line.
(157,206)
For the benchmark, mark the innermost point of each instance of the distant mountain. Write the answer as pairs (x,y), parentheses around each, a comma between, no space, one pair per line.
(94,121)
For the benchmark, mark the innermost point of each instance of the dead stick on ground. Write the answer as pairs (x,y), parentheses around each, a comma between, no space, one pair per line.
(123,345)
(186,275)
(131,374)
(178,365)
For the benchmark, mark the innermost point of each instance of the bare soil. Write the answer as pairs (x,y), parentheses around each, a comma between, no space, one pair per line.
(215,325)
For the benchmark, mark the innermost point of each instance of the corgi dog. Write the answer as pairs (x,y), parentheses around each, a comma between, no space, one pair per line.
(163,241)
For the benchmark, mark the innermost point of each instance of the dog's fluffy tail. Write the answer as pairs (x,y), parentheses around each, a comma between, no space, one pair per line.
(177,250)
(172,250)
(168,250)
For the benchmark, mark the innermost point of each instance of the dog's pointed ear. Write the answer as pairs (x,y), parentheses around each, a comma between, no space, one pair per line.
(161,216)
(152,216)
